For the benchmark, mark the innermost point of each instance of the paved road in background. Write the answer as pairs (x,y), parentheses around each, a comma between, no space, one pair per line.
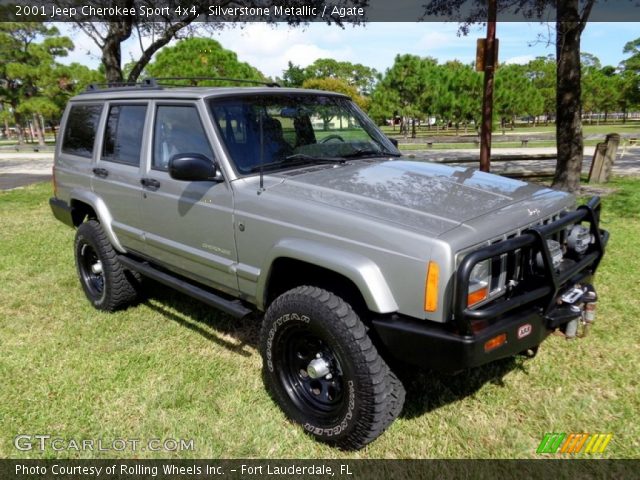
(18,169)
(23,168)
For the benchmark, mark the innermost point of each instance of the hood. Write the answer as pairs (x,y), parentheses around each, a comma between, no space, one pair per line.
(428,197)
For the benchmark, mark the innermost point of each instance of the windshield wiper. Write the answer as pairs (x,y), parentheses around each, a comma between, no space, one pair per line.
(265,166)
(297,159)
(369,152)
(304,158)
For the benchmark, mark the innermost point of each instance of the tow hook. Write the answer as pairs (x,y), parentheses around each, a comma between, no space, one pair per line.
(580,301)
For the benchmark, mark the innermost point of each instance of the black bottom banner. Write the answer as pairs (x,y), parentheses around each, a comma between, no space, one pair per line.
(317,469)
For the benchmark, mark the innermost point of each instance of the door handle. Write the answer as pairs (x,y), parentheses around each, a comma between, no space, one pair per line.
(150,183)
(101,172)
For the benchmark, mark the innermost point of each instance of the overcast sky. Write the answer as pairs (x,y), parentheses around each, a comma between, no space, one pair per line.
(269,48)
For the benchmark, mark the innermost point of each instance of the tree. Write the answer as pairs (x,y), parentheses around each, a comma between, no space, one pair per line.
(293,76)
(633,62)
(201,57)
(601,89)
(339,86)
(384,104)
(460,94)
(359,76)
(177,21)
(517,94)
(30,76)
(630,78)
(407,80)
(571,17)
(542,73)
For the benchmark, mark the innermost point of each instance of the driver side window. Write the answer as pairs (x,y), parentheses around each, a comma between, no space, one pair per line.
(177,130)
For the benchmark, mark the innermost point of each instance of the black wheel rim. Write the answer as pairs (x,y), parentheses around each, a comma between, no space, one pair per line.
(91,269)
(323,396)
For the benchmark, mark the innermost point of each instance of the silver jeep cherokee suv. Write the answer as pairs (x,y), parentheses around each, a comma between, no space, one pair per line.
(291,202)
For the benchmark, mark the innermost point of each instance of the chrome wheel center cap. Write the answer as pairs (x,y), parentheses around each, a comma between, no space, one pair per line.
(96,268)
(317,368)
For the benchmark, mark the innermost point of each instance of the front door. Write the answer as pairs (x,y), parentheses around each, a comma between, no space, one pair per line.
(188,225)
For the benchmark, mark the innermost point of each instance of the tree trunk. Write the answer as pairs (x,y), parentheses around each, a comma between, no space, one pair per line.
(38,129)
(111,49)
(568,122)
(17,117)
(111,59)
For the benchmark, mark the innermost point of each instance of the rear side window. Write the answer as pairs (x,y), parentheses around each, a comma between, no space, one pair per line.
(80,130)
(123,134)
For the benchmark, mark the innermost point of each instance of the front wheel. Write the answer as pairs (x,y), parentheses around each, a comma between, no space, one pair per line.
(324,372)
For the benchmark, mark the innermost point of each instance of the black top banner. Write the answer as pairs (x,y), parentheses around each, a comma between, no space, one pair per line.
(302,11)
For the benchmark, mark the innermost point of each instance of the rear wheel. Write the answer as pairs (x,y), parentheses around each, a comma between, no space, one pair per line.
(323,370)
(105,282)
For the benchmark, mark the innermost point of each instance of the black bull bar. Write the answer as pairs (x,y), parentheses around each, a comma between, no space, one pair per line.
(544,292)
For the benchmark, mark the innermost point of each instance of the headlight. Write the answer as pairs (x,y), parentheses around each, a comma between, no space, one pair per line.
(555,250)
(479,282)
(579,238)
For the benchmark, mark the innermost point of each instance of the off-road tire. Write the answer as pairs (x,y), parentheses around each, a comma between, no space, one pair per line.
(367,396)
(119,287)
(396,398)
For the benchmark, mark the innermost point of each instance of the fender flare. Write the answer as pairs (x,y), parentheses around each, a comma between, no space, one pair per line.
(102,212)
(362,271)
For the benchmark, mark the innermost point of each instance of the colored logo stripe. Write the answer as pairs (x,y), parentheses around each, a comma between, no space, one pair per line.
(574,443)
(598,443)
(551,442)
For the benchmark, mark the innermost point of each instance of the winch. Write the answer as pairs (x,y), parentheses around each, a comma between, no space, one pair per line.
(579,302)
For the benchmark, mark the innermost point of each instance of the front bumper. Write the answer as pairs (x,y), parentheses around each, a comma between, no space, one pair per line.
(525,316)
(432,346)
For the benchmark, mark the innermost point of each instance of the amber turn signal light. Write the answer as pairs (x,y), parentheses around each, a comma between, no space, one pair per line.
(431,288)
(477,296)
(495,342)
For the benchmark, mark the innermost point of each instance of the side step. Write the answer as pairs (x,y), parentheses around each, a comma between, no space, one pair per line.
(230,307)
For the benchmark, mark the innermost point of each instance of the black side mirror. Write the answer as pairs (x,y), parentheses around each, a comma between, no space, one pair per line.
(194,167)
(394,141)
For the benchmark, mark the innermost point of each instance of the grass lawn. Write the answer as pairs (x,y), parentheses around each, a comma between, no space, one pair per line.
(173,368)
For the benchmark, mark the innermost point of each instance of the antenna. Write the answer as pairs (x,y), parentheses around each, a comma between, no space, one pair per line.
(261,151)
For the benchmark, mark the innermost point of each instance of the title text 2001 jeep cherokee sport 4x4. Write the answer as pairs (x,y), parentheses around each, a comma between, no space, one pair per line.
(292,202)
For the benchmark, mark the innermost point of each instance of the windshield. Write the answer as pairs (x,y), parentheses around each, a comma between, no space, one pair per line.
(279,131)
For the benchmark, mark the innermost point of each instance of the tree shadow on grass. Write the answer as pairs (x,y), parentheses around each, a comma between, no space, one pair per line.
(198,317)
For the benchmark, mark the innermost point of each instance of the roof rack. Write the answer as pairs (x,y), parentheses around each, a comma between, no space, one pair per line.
(146,83)
(195,80)
(159,82)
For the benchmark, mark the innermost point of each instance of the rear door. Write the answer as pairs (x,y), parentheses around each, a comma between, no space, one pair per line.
(116,174)
(188,225)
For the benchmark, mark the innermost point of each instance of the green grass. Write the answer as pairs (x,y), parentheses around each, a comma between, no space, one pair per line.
(173,368)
